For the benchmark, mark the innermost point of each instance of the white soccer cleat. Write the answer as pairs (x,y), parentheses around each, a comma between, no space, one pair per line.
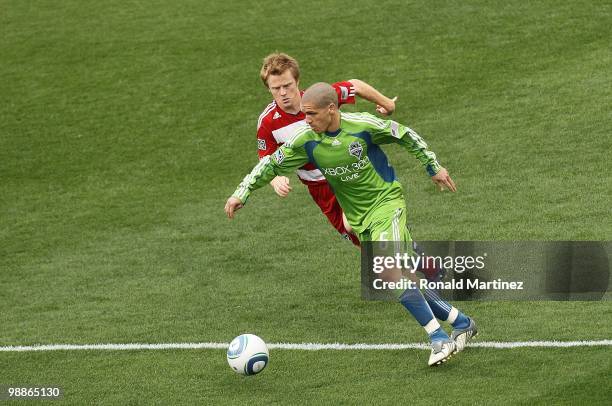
(440,352)
(463,336)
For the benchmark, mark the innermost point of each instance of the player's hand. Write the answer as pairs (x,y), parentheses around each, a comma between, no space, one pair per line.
(444,181)
(281,185)
(387,111)
(232,205)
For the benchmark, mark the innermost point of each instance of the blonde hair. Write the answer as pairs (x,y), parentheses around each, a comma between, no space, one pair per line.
(276,64)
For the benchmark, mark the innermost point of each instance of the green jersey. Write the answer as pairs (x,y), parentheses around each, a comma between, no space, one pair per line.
(351,161)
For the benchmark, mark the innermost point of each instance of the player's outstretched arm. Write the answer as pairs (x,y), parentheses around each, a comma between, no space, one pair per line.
(443,180)
(384,105)
(284,160)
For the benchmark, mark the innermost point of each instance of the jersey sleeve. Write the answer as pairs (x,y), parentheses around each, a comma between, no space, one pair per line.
(286,159)
(266,144)
(389,131)
(345,91)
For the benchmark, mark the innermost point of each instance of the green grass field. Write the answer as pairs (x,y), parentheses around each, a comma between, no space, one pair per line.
(125,125)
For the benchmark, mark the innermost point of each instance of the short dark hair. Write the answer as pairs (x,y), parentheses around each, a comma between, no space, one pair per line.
(321,94)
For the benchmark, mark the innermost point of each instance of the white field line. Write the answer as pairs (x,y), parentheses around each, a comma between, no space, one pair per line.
(298,346)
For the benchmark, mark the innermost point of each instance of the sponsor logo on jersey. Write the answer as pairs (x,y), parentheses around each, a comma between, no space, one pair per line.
(261,144)
(347,172)
(279,156)
(276,115)
(355,149)
(335,143)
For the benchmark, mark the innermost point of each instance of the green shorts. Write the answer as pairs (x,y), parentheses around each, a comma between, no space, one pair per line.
(387,223)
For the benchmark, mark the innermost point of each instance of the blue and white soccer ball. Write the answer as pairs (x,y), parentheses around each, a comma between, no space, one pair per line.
(247,354)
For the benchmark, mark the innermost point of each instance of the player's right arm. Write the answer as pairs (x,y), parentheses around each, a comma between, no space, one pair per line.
(286,159)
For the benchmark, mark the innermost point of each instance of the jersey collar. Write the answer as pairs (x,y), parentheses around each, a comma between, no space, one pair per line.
(333,133)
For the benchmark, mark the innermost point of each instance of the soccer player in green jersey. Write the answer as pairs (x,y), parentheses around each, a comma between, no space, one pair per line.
(346,148)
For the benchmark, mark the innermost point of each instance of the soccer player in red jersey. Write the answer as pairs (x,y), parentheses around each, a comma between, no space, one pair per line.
(280,73)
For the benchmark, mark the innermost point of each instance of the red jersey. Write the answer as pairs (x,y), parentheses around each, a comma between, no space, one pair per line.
(276,126)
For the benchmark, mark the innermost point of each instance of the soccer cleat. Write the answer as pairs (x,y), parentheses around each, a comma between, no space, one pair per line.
(464,335)
(441,351)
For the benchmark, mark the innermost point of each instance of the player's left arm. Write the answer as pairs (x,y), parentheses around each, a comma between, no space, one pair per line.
(384,105)
(347,91)
(389,131)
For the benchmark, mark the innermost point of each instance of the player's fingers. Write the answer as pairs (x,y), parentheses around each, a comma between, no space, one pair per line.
(447,185)
(235,208)
(279,190)
(389,112)
(451,184)
(284,190)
